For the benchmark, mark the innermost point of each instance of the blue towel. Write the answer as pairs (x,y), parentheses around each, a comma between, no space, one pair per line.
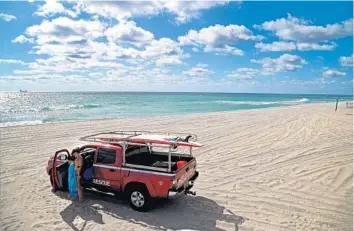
(72,182)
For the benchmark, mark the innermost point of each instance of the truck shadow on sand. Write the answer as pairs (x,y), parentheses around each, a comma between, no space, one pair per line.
(196,213)
(82,210)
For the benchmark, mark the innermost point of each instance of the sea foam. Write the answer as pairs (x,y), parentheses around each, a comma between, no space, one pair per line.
(291,102)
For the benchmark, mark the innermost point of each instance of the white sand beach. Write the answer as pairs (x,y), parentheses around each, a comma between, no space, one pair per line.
(286,168)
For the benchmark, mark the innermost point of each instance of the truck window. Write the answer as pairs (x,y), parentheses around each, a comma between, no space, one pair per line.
(88,151)
(132,150)
(106,156)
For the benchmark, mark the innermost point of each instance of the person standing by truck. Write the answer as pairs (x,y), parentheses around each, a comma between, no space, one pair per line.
(78,169)
(72,179)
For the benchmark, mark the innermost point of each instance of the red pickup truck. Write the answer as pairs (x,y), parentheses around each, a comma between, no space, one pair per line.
(142,165)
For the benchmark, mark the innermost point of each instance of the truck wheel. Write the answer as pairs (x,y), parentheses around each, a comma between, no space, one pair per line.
(139,199)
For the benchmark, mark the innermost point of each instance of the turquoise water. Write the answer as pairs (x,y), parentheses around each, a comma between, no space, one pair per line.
(33,108)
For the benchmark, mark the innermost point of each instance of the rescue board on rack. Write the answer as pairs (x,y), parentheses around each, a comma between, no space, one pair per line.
(154,139)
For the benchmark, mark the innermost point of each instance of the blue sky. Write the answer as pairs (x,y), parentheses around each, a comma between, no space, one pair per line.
(275,47)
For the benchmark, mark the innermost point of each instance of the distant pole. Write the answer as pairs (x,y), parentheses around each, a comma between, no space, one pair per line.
(336,105)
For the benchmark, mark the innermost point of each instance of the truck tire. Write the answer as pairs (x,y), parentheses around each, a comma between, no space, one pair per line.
(139,198)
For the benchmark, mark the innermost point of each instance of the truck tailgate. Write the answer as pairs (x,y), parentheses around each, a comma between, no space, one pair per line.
(185,173)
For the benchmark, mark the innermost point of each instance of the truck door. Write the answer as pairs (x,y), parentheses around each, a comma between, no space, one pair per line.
(106,171)
(59,169)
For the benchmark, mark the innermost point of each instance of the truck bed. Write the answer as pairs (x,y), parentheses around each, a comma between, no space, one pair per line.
(155,159)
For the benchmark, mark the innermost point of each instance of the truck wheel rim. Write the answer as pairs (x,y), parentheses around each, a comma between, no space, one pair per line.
(137,198)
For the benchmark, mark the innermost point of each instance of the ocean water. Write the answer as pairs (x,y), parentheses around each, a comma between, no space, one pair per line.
(33,108)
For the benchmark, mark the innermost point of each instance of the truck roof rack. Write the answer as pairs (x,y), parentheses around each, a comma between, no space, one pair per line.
(144,138)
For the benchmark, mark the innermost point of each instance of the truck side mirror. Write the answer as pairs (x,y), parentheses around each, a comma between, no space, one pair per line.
(63,157)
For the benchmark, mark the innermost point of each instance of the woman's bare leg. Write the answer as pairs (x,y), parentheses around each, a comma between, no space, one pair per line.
(79,189)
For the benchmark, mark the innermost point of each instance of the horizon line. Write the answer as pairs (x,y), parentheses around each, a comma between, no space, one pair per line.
(197,92)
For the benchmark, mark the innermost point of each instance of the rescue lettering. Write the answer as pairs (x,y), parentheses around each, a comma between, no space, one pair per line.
(101,182)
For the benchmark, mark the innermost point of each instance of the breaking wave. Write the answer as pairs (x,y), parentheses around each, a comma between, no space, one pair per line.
(18,110)
(20,123)
(69,107)
(303,100)
(293,102)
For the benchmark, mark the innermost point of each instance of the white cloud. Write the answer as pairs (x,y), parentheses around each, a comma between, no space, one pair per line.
(29,72)
(64,29)
(95,74)
(61,64)
(224,50)
(66,41)
(187,10)
(314,46)
(243,74)
(290,46)
(168,60)
(12,61)
(52,7)
(72,79)
(318,81)
(333,73)
(199,71)
(346,61)
(219,38)
(129,76)
(64,64)
(300,30)
(23,78)
(307,36)
(7,17)
(162,47)
(163,51)
(218,35)
(112,51)
(45,78)
(22,39)
(128,32)
(123,10)
(78,46)
(276,46)
(284,63)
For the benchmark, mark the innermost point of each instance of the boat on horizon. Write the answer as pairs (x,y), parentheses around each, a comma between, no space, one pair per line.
(23,90)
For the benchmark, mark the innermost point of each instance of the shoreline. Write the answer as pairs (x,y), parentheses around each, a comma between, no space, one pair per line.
(170,115)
